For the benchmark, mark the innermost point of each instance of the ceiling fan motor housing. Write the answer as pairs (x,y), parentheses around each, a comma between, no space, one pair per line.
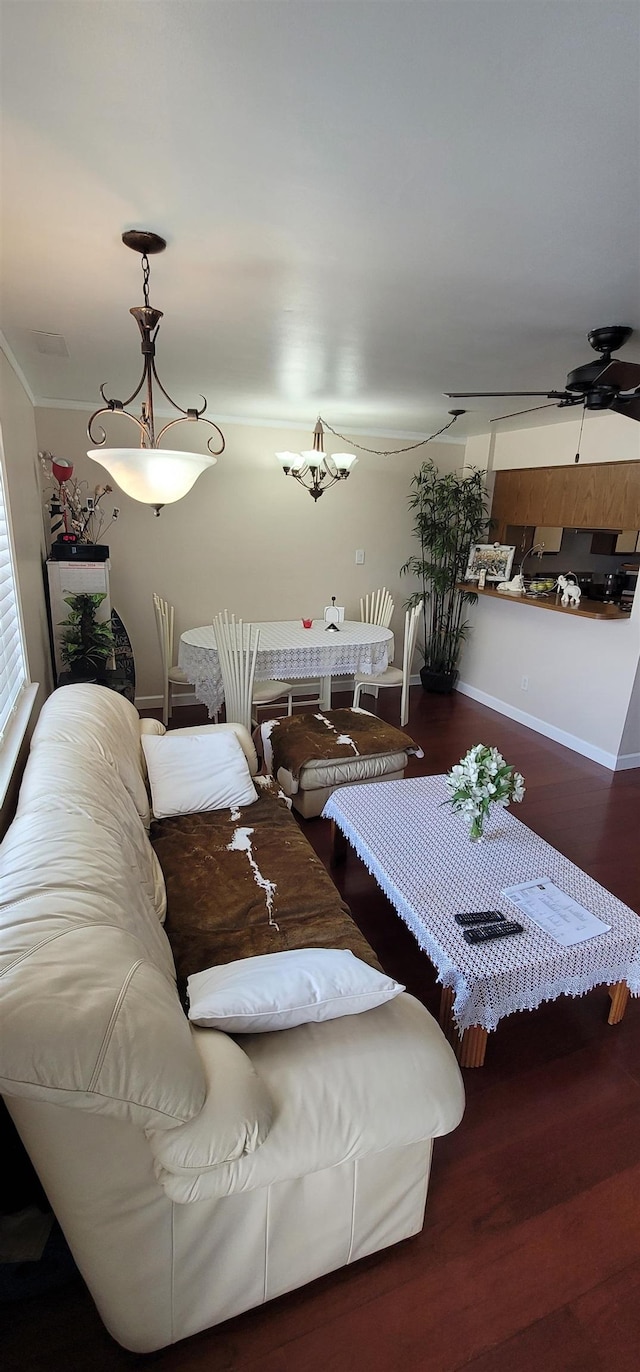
(609,338)
(583,378)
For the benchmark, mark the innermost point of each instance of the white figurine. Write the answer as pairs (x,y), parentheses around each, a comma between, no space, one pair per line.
(513,587)
(571,592)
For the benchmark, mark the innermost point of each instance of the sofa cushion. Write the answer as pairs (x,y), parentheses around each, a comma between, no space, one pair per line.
(59,786)
(281,990)
(89,1023)
(239,886)
(106,724)
(194,772)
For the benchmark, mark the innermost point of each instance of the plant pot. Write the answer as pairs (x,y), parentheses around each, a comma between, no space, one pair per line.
(85,670)
(441,682)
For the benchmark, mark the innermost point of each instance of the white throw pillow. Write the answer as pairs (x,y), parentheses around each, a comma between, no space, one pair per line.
(280,990)
(197,772)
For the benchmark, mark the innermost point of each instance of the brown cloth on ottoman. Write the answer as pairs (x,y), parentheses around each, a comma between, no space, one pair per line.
(294,740)
(245,882)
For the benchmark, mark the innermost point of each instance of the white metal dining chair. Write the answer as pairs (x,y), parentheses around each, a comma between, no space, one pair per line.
(395,676)
(377,608)
(172,675)
(237,644)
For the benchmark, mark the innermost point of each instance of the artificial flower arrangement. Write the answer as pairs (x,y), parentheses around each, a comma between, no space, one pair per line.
(70,506)
(479,780)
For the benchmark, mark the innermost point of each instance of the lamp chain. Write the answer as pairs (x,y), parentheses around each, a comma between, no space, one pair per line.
(393,451)
(146,272)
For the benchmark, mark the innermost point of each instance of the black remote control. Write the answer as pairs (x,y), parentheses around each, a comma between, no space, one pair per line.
(490,931)
(479,917)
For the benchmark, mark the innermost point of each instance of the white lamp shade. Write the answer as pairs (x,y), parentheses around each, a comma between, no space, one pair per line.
(313,459)
(344,461)
(293,461)
(156,476)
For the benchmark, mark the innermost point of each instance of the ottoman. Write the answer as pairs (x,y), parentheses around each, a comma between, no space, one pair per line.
(311,754)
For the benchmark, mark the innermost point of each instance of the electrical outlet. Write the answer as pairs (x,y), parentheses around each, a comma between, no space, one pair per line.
(359,557)
(524,684)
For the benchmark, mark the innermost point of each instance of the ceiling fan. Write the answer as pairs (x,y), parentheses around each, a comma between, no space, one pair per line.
(607,384)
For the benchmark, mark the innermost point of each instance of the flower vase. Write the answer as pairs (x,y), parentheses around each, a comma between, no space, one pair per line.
(476,833)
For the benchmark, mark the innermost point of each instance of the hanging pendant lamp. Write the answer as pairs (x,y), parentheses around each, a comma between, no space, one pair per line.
(315,469)
(154,475)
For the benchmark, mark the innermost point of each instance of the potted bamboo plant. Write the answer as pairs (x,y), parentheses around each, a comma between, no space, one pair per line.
(86,645)
(450,513)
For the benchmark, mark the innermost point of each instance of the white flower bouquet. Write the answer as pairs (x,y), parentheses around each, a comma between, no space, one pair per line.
(479,780)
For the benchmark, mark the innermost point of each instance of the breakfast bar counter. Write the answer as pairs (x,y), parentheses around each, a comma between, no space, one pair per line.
(587,609)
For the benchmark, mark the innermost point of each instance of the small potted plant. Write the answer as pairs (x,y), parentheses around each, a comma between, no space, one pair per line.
(479,780)
(450,513)
(86,645)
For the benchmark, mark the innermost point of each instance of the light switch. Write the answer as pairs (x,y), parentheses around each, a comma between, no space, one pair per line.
(359,557)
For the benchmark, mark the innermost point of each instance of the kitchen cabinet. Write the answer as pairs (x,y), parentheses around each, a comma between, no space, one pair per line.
(628,541)
(549,537)
(598,495)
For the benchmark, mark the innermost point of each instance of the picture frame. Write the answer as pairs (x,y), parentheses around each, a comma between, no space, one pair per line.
(495,559)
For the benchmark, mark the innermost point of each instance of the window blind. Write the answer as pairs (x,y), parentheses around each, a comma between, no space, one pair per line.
(13,665)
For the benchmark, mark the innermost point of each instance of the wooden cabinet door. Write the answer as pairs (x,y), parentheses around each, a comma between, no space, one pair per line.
(602,495)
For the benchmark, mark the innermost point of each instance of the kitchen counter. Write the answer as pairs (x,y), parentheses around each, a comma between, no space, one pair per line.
(587,609)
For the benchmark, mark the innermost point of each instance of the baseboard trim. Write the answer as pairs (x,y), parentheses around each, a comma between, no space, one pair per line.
(156,702)
(625,761)
(540,726)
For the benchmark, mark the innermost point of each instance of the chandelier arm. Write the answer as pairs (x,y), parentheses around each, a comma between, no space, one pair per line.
(185,419)
(185,413)
(109,409)
(114,404)
(318,484)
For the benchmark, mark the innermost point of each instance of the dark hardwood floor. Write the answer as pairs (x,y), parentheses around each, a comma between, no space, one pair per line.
(530,1252)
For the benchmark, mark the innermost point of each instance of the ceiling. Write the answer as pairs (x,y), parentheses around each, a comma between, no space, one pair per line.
(366,204)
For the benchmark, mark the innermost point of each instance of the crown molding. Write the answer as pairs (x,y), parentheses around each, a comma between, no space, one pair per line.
(42,402)
(13,362)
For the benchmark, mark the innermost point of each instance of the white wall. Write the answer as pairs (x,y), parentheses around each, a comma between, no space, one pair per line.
(581,673)
(630,743)
(250,539)
(606,437)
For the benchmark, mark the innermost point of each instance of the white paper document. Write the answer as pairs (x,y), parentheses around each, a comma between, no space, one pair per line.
(562,917)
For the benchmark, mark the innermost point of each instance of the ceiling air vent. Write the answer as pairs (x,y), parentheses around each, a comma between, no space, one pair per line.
(52,344)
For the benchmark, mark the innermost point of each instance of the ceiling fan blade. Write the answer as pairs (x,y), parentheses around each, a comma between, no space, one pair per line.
(532,410)
(623,376)
(630,407)
(495,395)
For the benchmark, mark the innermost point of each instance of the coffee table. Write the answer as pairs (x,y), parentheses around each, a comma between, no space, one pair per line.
(421,856)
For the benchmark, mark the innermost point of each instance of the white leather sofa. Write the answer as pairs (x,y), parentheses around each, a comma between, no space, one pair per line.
(194,1175)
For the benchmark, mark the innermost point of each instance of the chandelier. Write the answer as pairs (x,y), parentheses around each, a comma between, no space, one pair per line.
(317,470)
(157,476)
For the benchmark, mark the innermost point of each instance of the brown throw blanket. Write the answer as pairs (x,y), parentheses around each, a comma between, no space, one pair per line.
(246,882)
(294,740)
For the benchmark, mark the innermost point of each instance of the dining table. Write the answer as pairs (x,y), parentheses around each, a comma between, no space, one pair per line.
(290,652)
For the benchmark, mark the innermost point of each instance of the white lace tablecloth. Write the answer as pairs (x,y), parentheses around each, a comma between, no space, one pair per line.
(421,856)
(288,652)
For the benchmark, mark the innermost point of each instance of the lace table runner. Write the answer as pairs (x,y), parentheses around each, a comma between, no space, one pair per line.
(288,652)
(421,856)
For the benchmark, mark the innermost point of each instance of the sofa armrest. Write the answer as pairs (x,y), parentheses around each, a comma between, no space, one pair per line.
(234,1120)
(341,1090)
